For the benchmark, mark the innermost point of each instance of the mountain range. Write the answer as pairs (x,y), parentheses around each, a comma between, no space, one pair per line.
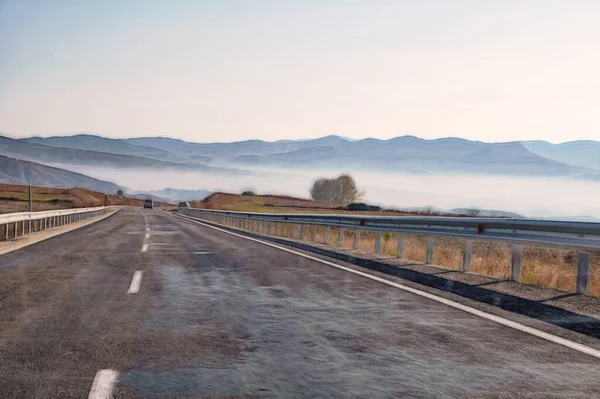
(31,158)
(404,154)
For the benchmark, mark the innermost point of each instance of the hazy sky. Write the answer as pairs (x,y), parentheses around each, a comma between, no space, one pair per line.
(494,70)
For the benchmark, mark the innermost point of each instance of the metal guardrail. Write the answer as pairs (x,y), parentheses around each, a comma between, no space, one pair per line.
(582,237)
(13,225)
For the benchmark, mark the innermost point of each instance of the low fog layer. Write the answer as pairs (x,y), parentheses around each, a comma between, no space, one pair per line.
(528,196)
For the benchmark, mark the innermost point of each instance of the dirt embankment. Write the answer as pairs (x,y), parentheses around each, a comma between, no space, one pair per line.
(15,198)
(277,204)
(237,202)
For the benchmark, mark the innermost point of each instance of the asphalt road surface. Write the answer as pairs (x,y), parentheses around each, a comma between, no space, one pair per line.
(217,315)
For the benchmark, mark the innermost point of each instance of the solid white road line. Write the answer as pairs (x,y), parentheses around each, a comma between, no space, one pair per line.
(144,247)
(103,384)
(500,320)
(136,281)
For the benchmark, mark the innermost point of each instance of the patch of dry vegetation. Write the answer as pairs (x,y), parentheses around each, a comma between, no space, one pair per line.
(15,198)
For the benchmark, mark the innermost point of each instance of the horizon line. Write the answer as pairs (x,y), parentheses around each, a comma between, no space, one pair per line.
(347,139)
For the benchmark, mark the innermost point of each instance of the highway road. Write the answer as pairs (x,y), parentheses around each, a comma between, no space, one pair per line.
(210,314)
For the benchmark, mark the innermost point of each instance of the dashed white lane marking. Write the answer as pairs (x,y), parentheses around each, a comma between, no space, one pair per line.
(144,247)
(485,315)
(147,235)
(136,281)
(103,384)
(202,252)
(147,228)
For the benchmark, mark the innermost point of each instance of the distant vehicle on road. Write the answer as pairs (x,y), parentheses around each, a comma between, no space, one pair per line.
(183,204)
(148,204)
(359,206)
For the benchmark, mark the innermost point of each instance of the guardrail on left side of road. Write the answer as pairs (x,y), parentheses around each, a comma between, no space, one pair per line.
(14,225)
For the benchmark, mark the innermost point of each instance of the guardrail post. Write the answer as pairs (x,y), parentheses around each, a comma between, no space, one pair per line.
(326,235)
(467,253)
(400,246)
(283,231)
(356,239)
(429,253)
(378,242)
(515,264)
(302,231)
(6,231)
(583,266)
(16,228)
(313,233)
(341,238)
(23,228)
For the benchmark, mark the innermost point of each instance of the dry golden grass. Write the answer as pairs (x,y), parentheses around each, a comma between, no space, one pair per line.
(594,272)
(491,259)
(277,204)
(15,198)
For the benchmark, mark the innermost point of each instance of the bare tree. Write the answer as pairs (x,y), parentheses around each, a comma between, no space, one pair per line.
(339,191)
(473,212)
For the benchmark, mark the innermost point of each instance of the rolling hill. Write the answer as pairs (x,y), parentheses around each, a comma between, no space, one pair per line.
(57,156)
(585,154)
(100,144)
(15,198)
(15,171)
(411,154)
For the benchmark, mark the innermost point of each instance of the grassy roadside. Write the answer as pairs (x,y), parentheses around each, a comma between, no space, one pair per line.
(15,198)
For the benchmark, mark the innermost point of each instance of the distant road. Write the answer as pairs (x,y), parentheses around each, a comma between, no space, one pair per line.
(183,310)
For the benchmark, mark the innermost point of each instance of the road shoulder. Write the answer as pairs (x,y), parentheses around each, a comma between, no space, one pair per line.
(33,238)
